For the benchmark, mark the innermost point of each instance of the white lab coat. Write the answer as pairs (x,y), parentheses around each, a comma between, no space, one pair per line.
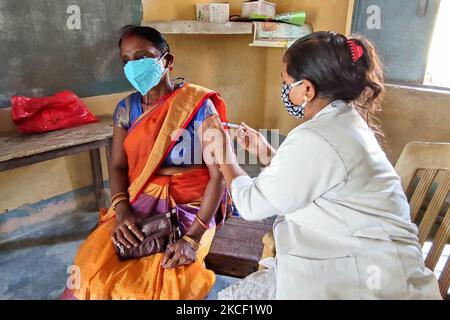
(343,229)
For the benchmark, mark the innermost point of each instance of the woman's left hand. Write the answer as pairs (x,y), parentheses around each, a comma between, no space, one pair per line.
(178,254)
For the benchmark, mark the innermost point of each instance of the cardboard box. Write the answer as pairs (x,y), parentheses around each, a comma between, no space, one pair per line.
(259,7)
(213,12)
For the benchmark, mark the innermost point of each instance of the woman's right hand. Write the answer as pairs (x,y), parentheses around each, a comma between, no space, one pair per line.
(126,232)
(255,143)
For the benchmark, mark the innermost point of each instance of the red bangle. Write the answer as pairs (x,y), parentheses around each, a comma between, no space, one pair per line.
(201,222)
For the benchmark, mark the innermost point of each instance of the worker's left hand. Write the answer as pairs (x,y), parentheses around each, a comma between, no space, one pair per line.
(178,254)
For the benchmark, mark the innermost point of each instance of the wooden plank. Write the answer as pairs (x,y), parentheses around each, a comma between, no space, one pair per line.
(421,191)
(36,158)
(434,208)
(237,247)
(226,266)
(240,248)
(245,235)
(15,146)
(441,239)
(108,150)
(418,155)
(444,280)
(200,27)
(239,222)
(97,175)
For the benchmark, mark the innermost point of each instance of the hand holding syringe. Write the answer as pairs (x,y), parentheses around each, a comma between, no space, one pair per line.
(252,141)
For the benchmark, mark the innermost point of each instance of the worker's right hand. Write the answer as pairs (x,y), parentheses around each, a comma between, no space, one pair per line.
(126,232)
(255,143)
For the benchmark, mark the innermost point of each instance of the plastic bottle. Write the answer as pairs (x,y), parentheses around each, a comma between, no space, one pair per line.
(297,18)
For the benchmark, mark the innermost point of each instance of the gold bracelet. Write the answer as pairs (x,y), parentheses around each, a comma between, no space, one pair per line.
(117,201)
(118,195)
(194,244)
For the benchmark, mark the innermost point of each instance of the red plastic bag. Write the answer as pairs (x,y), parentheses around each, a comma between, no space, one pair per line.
(63,110)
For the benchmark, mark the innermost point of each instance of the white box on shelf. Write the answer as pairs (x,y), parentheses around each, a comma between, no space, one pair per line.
(271,34)
(275,30)
(259,7)
(213,12)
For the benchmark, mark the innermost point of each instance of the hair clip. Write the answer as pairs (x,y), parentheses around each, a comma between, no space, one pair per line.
(356,50)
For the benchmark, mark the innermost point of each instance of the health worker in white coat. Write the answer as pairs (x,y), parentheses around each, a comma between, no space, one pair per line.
(343,228)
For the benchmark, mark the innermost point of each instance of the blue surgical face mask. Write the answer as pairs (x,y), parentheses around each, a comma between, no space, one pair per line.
(291,108)
(145,74)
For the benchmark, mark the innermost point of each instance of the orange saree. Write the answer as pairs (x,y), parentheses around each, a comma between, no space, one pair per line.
(102,274)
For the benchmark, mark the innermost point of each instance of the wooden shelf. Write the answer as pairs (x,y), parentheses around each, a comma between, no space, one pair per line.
(268,44)
(200,27)
(213,28)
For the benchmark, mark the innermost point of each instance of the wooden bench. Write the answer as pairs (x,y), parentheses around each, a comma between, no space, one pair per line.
(18,150)
(237,247)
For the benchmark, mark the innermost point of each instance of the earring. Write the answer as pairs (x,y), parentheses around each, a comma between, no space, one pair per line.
(305,101)
(171,68)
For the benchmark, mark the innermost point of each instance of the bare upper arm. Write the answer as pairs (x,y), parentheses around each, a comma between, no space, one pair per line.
(207,145)
(118,155)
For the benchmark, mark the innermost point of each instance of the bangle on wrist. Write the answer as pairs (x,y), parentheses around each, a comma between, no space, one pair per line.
(192,243)
(204,225)
(117,201)
(117,195)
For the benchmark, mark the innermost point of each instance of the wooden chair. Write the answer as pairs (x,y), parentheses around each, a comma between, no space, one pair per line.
(424,169)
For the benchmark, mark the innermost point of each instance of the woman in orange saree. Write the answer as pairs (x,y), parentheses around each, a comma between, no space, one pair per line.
(149,145)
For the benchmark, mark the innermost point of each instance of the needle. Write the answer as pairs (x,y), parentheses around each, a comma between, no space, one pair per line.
(231,125)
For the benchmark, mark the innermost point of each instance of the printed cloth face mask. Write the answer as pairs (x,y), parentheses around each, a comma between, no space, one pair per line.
(291,108)
(145,74)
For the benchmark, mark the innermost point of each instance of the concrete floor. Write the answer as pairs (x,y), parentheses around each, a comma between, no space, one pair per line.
(34,262)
